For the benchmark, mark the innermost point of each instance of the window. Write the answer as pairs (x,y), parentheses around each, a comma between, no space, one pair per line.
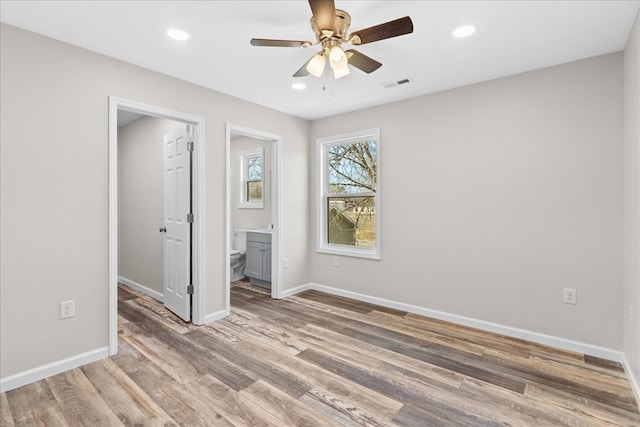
(349,194)
(251,179)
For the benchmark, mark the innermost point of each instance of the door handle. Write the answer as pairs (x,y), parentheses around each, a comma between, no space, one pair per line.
(163,229)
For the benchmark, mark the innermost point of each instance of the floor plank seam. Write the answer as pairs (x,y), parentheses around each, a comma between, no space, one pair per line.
(321,360)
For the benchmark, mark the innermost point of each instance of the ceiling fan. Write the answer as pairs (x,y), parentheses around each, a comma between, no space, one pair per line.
(330,26)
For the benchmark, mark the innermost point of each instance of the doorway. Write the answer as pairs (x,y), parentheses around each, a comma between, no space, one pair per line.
(194,126)
(143,202)
(265,213)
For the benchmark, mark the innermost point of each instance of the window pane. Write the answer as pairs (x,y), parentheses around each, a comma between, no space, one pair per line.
(352,221)
(352,167)
(254,168)
(254,191)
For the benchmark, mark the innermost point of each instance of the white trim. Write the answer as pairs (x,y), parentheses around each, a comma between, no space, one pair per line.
(197,190)
(138,287)
(212,317)
(352,251)
(536,337)
(276,209)
(632,378)
(296,290)
(41,372)
(322,192)
(276,216)
(112,283)
(198,239)
(227,221)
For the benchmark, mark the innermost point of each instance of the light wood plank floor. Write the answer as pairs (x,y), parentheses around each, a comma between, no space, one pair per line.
(320,360)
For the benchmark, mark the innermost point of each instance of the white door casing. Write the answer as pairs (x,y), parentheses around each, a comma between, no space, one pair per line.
(198,315)
(177,208)
(276,210)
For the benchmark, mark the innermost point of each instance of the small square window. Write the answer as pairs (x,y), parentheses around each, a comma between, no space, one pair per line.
(252,179)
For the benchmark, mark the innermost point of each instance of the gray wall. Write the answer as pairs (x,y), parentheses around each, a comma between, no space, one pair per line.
(140,200)
(497,196)
(54,197)
(631,306)
(253,217)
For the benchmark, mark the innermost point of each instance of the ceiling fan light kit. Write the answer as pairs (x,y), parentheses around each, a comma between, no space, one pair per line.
(338,61)
(316,65)
(340,71)
(330,26)
(337,56)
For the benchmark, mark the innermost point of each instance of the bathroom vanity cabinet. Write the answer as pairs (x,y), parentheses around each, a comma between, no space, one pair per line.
(259,259)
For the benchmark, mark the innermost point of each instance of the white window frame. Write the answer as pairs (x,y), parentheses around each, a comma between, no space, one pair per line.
(322,194)
(244,157)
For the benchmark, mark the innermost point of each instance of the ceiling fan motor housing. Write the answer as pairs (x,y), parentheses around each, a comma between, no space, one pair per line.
(341,25)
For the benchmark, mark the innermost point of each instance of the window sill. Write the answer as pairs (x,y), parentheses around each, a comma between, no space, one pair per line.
(350,252)
(251,206)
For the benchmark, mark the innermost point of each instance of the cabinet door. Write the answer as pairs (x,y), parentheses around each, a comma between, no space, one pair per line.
(254,260)
(266,262)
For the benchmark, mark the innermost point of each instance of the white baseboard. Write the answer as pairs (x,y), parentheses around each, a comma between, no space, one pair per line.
(212,317)
(296,290)
(632,378)
(138,287)
(50,369)
(510,331)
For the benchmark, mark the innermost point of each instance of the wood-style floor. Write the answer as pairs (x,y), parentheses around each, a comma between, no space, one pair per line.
(320,360)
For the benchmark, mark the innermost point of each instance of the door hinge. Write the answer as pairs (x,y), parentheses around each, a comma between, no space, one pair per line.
(190,289)
(190,218)
(190,146)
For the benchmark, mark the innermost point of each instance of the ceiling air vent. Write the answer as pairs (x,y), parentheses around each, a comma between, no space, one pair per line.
(398,82)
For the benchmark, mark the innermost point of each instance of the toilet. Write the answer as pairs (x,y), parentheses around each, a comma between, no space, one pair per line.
(238,255)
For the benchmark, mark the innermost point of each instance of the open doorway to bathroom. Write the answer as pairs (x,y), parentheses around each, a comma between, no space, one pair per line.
(253,210)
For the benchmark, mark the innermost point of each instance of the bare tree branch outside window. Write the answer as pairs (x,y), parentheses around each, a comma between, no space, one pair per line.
(352,187)
(254,179)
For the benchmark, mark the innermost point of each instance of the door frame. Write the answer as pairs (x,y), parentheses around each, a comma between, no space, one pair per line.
(197,195)
(276,216)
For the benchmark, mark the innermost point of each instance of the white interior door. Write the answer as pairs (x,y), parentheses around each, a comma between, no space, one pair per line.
(177,224)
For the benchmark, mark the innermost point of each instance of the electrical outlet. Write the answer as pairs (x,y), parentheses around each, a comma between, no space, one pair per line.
(336,261)
(67,309)
(570,296)
(285,263)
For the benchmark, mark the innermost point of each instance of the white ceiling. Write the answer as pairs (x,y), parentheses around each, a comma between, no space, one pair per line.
(511,37)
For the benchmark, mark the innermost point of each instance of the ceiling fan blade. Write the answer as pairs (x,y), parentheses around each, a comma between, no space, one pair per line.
(324,13)
(395,28)
(280,43)
(303,72)
(361,61)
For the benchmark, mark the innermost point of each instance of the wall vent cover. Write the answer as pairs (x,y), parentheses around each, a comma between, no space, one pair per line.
(400,82)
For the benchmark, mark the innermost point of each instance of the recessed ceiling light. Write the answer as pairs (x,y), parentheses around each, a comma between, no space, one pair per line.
(177,34)
(464,31)
(298,86)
